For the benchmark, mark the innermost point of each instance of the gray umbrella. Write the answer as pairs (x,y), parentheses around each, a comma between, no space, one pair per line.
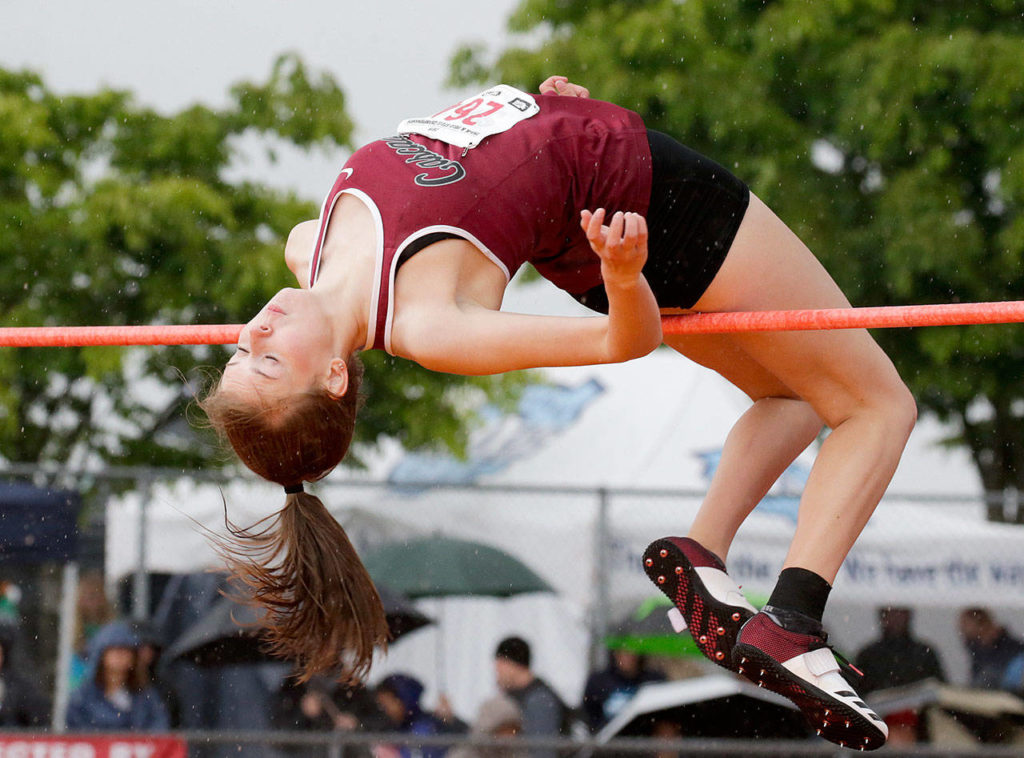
(230,631)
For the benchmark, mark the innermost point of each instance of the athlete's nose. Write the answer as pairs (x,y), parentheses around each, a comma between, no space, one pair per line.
(263,329)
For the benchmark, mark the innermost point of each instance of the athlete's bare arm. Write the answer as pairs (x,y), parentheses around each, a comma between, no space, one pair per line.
(298,248)
(464,334)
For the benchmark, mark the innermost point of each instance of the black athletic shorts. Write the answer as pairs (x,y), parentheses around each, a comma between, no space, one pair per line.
(696,208)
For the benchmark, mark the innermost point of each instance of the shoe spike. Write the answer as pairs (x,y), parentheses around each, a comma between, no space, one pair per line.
(720,630)
(663,553)
(818,732)
(661,580)
(649,562)
(743,660)
(847,723)
(827,712)
(703,639)
(736,617)
(679,569)
(719,655)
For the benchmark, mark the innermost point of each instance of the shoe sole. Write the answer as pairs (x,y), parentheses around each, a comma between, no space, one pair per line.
(829,717)
(714,625)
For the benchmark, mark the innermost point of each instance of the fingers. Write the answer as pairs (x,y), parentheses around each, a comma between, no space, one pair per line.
(636,229)
(625,232)
(592,225)
(615,229)
(550,85)
(560,85)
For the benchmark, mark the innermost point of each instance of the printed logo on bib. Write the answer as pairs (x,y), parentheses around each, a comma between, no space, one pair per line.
(467,123)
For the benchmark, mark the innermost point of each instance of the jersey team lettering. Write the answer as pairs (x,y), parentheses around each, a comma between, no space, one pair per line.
(468,122)
(448,171)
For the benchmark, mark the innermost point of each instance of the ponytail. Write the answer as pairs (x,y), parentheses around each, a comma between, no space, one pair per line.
(322,609)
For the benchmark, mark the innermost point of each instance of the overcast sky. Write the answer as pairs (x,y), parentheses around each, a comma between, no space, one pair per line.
(391,62)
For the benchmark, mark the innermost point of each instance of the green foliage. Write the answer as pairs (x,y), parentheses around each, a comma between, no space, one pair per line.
(115,214)
(919,103)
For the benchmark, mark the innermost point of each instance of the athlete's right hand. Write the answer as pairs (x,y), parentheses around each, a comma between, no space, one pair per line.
(560,85)
(621,245)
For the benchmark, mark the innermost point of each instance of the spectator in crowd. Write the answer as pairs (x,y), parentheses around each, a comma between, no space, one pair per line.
(499,717)
(897,658)
(92,611)
(544,713)
(21,704)
(151,647)
(608,690)
(992,649)
(10,599)
(114,698)
(398,697)
(321,705)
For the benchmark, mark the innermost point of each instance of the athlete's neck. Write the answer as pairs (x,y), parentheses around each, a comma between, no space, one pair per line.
(345,280)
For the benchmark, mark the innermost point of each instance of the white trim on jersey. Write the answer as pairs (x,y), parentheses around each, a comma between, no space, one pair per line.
(444,228)
(378,262)
(316,254)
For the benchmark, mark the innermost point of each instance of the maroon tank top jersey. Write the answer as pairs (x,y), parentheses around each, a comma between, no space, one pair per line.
(516,196)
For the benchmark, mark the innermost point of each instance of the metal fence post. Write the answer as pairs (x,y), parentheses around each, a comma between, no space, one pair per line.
(602,574)
(140,581)
(62,685)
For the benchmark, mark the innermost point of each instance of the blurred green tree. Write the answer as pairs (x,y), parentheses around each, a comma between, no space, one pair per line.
(115,214)
(887,133)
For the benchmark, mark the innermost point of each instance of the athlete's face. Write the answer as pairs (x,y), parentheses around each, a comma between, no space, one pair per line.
(286,349)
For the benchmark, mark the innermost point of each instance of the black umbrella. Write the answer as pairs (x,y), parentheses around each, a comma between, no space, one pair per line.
(230,631)
(716,705)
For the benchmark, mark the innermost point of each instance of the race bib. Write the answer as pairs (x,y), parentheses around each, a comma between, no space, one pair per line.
(467,123)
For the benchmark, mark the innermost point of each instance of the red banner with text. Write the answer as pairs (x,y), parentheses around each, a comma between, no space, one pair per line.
(89,746)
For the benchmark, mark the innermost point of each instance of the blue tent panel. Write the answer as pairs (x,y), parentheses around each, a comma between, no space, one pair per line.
(37,525)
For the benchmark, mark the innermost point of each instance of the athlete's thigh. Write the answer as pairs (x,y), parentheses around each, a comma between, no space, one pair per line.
(769,268)
(720,353)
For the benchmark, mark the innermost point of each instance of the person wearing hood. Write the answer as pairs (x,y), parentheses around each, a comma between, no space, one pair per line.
(114,697)
(398,697)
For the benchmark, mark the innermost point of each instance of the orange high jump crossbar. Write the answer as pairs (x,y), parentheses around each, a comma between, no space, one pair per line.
(696,323)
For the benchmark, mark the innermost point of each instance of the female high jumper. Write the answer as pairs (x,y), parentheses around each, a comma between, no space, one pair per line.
(412,252)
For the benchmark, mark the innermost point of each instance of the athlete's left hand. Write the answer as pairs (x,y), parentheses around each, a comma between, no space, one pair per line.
(621,245)
(560,85)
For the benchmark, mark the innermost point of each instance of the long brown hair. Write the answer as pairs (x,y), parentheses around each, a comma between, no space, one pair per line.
(322,610)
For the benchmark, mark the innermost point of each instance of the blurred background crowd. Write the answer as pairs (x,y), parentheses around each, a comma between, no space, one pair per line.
(130,676)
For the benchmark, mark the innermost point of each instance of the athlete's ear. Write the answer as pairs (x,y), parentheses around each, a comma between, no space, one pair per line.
(337,378)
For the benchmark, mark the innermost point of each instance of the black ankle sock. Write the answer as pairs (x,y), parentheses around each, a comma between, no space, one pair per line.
(802,591)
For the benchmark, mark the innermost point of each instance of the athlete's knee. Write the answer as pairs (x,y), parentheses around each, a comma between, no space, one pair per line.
(903,408)
(894,405)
